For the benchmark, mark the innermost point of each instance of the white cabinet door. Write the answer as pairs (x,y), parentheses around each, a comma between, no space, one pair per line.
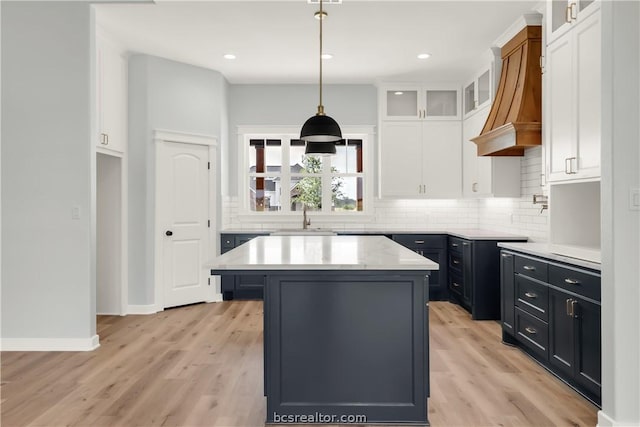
(486,176)
(401,159)
(442,159)
(573,93)
(588,96)
(560,107)
(111,96)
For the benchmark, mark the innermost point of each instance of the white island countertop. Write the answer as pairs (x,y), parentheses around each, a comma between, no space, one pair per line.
(321,253)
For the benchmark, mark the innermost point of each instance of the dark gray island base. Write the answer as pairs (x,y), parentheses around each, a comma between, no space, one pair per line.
(344,343)
(345,346)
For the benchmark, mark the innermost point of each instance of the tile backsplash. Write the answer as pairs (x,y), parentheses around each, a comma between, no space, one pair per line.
(517,216)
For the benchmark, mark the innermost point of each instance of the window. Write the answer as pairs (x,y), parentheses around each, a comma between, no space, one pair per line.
(280,178)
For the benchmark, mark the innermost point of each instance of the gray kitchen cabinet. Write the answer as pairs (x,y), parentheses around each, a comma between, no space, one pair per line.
(434,247)
(240,286)
(557,318)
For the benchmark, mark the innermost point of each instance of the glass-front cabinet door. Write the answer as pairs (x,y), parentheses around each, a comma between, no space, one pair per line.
(442,103)
(401,103)
(563,14)
(477,93)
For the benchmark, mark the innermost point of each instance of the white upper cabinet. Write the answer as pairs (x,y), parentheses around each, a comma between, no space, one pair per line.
(418,102)
(563,14)
(486,176)
(111,96)
(420,159)
(573,102)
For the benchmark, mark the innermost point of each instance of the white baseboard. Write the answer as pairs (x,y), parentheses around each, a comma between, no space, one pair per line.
(50,344)
(215,298)
(605,420)
(142,309)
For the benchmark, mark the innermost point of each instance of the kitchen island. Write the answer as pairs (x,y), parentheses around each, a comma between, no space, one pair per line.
(345,327)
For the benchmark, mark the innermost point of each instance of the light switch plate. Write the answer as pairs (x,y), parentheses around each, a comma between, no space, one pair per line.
(634,199)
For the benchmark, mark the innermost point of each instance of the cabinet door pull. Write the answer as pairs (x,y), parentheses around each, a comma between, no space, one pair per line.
(571,171)
(567,14)
(419,242)
(456,285)
(567,166)
(568,306)
(571,281)
(474,187)
(573,308)
(529,268)
(530,330)
(455,261)
(465,243)
(454,245)
(506,255)
(530,295)
(573,14)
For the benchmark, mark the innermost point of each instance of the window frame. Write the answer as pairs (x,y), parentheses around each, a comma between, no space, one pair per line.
(286,134)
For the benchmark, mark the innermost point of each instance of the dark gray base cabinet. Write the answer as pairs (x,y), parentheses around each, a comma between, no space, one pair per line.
(434,247)
(552,312)
(241,286)
(474,277)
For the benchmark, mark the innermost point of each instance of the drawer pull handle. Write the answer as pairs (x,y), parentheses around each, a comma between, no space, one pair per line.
(456,285)
(455,261)
(529,268)
(465,244)
(454,245)
(419,242)
(530,295)
(530,330)
(572,281)
(506,255)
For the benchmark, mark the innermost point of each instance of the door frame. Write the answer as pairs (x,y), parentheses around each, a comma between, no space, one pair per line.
(161,138)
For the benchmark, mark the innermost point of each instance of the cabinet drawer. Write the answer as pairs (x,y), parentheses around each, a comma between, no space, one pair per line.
(532,297)
(573,280)
(456,284)
(245,238)
(455,244)
(532,268)
(455,262)
(420,241)
(532,332)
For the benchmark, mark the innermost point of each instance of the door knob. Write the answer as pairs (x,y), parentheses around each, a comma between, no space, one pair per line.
(169,233)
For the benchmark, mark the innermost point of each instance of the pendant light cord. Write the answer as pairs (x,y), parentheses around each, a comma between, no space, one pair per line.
(320,106)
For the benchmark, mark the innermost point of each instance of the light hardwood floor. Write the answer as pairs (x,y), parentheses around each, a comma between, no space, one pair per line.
(201,365)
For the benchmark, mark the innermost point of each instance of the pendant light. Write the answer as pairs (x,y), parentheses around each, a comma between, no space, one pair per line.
(320,132)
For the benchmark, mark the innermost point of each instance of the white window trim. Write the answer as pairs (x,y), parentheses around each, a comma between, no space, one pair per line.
(245,215)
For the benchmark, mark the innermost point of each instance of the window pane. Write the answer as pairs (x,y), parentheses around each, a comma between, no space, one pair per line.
(296,156)
(265,155)
(348,158)
(347,193)
(306,191)
(264,193)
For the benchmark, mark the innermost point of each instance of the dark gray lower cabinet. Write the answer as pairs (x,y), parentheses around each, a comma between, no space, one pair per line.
(507,286)
(241,286)
(552,311)
(434,247)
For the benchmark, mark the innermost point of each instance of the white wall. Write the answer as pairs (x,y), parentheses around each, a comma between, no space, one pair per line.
(167,95)
(48,275)
(620,224)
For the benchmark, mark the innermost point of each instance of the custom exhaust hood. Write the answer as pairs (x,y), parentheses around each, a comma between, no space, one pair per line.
(515,119)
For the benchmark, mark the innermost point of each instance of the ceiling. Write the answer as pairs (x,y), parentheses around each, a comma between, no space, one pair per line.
(277,41)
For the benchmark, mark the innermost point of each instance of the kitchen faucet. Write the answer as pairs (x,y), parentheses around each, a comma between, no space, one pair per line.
(306,222)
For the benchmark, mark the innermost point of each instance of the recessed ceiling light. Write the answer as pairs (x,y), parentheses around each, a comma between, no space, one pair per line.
(229,56)
(398,93)
(424,55)
(327,56)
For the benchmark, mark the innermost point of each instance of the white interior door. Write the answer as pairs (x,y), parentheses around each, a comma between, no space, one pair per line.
(183,205)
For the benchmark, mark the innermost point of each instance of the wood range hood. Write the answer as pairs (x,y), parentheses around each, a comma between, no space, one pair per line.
(515,119)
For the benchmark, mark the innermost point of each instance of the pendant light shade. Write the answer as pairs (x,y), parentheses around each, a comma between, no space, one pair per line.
(320,132)
(320,128)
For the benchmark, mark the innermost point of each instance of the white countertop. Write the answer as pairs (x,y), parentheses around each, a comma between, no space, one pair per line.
(321,253)
(464,233)
(544,250)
